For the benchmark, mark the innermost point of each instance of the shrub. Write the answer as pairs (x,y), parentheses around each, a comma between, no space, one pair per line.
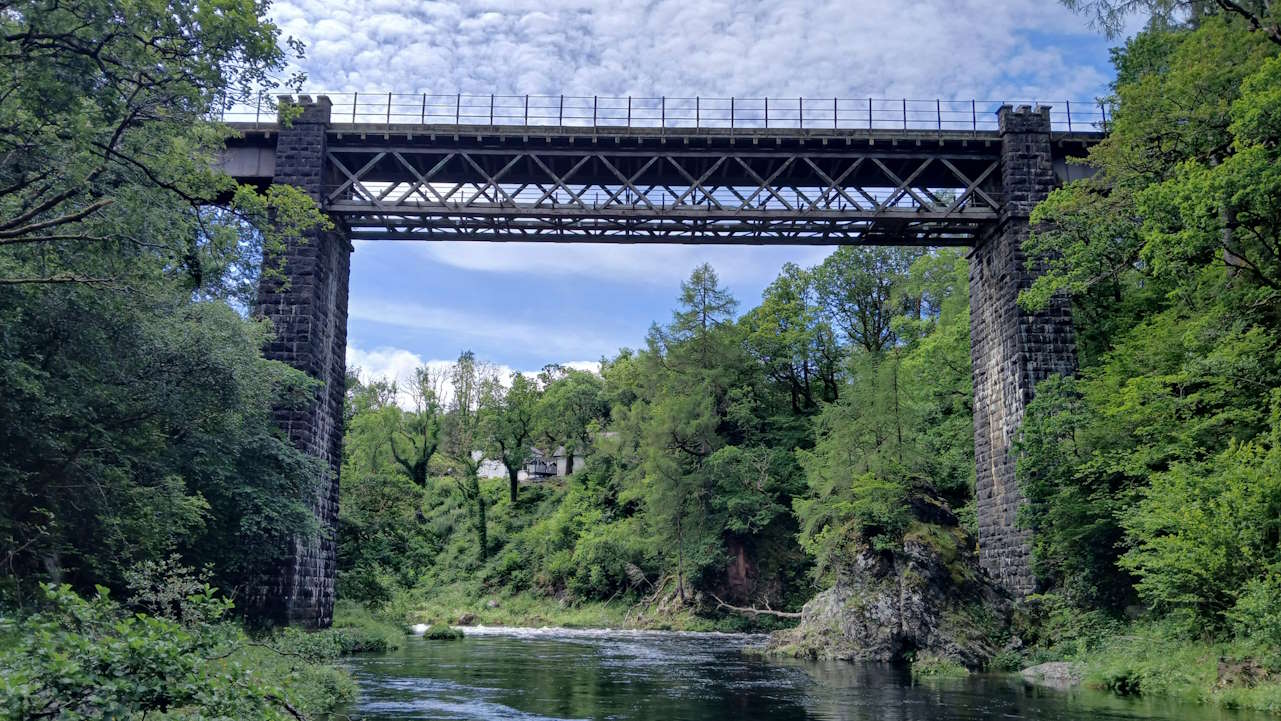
(358,630)
(1207,540)
(77,659)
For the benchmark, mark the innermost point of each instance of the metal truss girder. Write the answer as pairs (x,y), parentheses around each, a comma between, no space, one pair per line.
(972,215)
(680,196)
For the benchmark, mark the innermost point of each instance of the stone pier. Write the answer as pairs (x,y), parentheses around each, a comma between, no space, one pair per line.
(1011,349)
(308,308)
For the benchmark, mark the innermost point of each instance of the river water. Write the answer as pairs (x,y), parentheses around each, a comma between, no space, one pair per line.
(533,675)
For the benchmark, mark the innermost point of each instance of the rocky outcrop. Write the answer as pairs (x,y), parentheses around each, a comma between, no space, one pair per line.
(929,597)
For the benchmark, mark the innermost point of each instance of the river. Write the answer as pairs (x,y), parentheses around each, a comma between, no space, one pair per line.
(533,675)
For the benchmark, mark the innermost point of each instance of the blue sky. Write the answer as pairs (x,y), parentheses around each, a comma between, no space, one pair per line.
(523,305)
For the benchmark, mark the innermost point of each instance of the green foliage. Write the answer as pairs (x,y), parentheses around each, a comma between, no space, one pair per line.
(902,423)
(934,667)
(81,659)
(1205,533)
(359,630)
(441,632)
(691,485)
(857,289)
(163,406)
(1151,477)
(1156,661)
(511,413)
(126,262)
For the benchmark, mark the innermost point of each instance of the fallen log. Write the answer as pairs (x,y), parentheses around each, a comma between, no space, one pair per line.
(751,611)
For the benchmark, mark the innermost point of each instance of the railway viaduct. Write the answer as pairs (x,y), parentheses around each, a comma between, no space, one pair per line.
(933,173)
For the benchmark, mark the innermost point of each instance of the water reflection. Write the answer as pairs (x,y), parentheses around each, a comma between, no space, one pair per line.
(536,675)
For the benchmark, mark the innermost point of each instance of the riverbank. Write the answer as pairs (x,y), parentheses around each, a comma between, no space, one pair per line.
(1143,661)
(1149,659)
(459,605)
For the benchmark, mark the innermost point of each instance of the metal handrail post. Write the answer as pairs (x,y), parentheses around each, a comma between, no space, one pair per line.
(836,114)
(697,113)
(1068,104)
(355,101)
(629,112)
(491,110)
(526,108)
(767,113)
(800,113)
(389,109)
(869,113)
(905,113)
(560,114)
(422,116)
(593,111)
(458,108)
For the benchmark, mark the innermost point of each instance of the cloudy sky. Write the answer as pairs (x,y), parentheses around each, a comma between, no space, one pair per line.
(523,305)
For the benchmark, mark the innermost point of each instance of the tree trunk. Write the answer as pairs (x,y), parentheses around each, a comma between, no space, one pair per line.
(680,559)
(482,532)
(513,481)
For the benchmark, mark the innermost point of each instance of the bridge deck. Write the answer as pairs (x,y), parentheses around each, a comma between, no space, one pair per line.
(406,181)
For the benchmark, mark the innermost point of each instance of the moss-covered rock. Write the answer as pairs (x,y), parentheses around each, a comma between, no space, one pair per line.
(926,599)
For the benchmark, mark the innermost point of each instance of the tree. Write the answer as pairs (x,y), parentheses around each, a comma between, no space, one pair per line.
(1207,535)
(1110,15)
(463,439)
(138,416)
(569,411)
(855,287)
(419,431)
(106,142)
(704,307)
(679,436)
(1136,472)
(796,346)
(381,525)
(902,427)
(510,416)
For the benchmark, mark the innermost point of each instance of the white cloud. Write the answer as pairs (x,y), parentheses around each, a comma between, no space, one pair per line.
(553,340)
(397,365)
(647,264)
(783,48)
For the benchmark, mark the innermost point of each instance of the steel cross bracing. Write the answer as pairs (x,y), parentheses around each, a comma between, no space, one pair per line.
(745,194)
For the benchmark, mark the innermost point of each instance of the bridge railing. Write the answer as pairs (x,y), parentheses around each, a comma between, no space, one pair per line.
(683,113)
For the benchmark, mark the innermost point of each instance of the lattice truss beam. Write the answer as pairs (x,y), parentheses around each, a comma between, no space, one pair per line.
(638,196)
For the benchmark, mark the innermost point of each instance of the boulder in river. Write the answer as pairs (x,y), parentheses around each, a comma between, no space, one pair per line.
(929,597)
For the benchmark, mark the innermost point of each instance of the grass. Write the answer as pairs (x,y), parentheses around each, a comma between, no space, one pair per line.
(928,666)
(451,604)
(1150,658)
(358,630)
(1147,661)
